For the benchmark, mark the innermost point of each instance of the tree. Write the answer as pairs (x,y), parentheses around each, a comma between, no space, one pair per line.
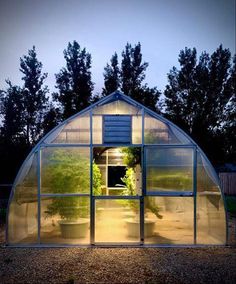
(51,118)
(230,119)
(34,93)
(12,112)
(129,77)
(197,95)
(132,69)
(13,147)
(111,76)
(74,81)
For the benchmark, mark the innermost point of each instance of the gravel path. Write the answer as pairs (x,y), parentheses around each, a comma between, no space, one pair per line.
(118,265)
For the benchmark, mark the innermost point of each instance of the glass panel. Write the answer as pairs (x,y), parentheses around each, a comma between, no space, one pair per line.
(178,136)
(137,129)
(23,211)
(169,169)
(103,175)
(65,170)
(76,131)
(158,132)
(117,221)
(120,170)
(65,220)
(117,107)
(211,223)
(168,220)
(115,156)
(97,129)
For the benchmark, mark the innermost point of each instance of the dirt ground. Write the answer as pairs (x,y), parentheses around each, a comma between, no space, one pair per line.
(119,265)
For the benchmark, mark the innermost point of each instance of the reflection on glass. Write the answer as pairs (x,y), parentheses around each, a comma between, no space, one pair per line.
(65,170)
(76,131)
(169,169)
(23,211)
(97,129)
(137,129)
(117,107)
(117,221)
(158,132)
(65,220)
(168,220)
(211,225)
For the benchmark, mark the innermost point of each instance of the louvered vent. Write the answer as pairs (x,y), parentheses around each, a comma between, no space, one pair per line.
(117,129)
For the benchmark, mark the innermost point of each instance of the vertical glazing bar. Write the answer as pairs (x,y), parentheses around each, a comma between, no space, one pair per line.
(143,185)
(141,220)
(39,191)
(142,127)
(92,212)
(143,156)
(195,193)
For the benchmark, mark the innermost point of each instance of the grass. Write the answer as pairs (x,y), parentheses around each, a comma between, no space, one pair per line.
(231,204)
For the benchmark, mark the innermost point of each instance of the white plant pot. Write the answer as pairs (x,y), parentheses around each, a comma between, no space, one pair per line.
(133,227)
(74,229)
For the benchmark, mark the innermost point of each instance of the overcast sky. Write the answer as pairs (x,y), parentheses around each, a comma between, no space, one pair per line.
(163,27)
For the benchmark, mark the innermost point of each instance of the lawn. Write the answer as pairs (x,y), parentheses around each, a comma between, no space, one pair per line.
(231,204)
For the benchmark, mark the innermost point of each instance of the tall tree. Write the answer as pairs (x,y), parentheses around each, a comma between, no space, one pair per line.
(132,69)
(230,119)
(12,112)
(180,92)
(74,81)
(13,147)
(35,95)
(111,76)
(51,118)
(129,77)
(196,97)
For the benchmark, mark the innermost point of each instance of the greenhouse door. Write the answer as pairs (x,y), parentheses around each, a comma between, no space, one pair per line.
(116,213)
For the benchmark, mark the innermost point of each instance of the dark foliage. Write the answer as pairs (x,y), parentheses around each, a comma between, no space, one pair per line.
(111,76)
(200,99)
(22,110)
(74,81)
(34,95)
(129,77)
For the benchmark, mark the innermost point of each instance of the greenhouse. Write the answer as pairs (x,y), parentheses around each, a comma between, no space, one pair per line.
(116,173)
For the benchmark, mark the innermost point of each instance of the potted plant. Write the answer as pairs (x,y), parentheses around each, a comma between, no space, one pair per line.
(132,158)
(68,172)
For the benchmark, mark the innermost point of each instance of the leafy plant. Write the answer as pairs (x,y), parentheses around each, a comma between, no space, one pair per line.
(129,181)
(132,157)
(68,171)
(96,180)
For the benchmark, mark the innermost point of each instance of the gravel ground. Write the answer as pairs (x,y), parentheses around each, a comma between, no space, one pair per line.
(119,265)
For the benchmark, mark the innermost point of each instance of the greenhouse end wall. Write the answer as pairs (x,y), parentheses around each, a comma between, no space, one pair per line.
(116,174)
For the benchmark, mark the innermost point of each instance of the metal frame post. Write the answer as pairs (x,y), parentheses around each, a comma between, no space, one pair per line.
(39,191)
(92,204)
(195,194)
